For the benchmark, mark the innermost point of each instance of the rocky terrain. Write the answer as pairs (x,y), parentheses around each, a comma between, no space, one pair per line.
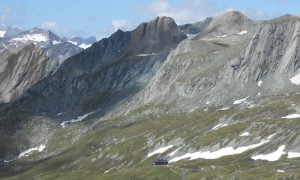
(222,104)
(20,69)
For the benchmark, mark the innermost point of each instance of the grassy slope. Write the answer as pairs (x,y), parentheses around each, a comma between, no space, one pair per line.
(121,148)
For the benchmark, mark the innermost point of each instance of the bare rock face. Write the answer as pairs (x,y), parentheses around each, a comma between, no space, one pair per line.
(19,69)
(154,36)
(263,60)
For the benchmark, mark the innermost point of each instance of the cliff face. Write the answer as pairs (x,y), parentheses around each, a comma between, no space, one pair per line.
(19,69)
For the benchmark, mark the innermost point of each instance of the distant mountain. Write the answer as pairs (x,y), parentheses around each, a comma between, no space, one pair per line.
(9,31)
(82,42)
(56,48)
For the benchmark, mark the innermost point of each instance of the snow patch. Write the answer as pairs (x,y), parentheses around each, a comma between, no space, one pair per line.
(174,152)
(2,33)
(217,154)
(29,151)
(270,137)
(193,109)
(84,46)
(274,156)
(223,36)
(143,55)
(245,134)
(293,155)
(59,114)
(73,42)
(243,32)
(296,79)
(191,36)
(240,101)
(78,119)
(259,83)
(292,116)
(160,150)
(225,108)
(219,126)
(32,37)
(55,42)
(281,171)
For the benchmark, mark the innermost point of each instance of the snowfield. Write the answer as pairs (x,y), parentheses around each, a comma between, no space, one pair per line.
(29,151)
(2,33)
(32,37)
(160,150)
(55,42)
(239,101)
(143,55)
(73,42)
(84,46)
(78,119)
(293,155)
(296,79)
(292,116)
(245,134)
(225,108)
(227,151)
(274,156)
(243,32)
(219,126)
(173,153)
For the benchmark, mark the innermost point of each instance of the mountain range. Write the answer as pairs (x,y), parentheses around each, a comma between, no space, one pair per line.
(219,99)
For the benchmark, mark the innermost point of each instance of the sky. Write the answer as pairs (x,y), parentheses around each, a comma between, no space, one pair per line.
(100,18)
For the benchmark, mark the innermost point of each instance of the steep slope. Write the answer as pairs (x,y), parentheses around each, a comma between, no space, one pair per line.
(217,70)
(107,68)
(20,69)
(96,80)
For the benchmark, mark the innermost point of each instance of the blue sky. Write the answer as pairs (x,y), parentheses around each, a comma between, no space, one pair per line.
(101,17)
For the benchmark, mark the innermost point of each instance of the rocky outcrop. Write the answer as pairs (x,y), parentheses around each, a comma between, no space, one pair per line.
(154,36)
(19,69)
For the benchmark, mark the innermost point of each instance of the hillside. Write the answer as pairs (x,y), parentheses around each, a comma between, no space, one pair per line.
(221,105)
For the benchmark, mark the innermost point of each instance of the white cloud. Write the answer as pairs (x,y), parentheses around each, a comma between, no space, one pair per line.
(184,11)
(53,26)
(255,14)
(121,24)
(230,9)
(7,13)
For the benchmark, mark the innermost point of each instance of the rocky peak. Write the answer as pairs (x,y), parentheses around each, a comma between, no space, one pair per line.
(151,37)
(154,36)
(226,24)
